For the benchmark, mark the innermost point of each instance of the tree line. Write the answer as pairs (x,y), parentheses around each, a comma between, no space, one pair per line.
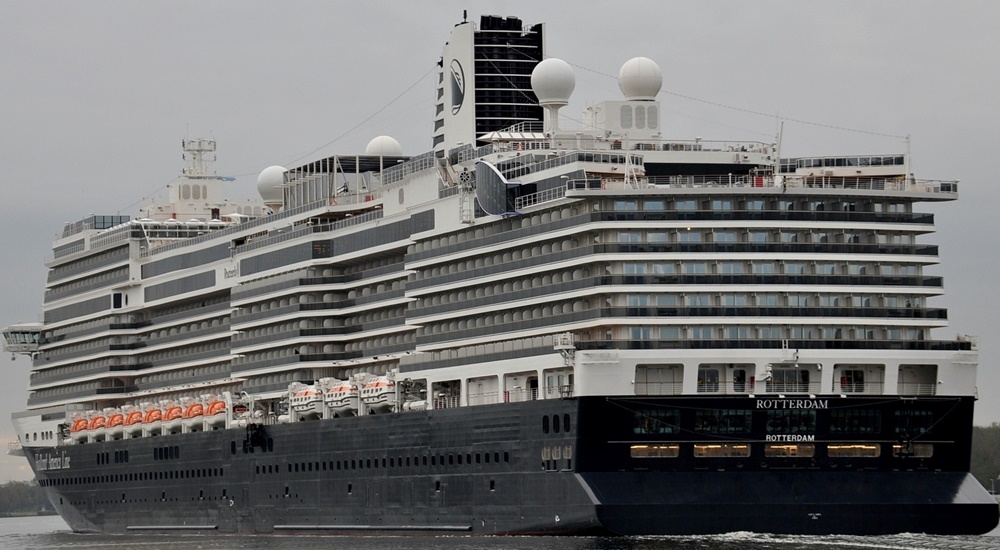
(23,498)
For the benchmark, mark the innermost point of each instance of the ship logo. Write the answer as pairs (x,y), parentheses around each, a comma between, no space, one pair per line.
(457,86)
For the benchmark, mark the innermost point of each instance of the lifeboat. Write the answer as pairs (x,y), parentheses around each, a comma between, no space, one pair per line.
(342,398)
(306,400)
(173,417)
(97,428)
(379,394)
(215,414)
(116,423)
(152,420)
(133,422)
(78,431)
(193,415)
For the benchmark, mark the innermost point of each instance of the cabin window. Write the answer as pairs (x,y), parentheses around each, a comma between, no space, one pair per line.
(722,421)
(668,450)
(789,450)
(793,421)
(858,450)
(721,450)
(913,450)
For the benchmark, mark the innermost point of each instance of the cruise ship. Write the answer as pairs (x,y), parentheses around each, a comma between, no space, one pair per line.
(528,329)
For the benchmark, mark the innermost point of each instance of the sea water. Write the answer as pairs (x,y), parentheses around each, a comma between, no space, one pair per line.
(51,533)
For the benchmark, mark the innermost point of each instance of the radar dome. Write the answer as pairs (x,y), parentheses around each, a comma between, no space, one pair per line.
(553,82)
(269,182)
(384,146)
(640,79)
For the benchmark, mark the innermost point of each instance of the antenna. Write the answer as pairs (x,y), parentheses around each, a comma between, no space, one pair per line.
(197,149)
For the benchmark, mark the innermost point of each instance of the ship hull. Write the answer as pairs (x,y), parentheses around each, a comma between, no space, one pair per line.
(493,469)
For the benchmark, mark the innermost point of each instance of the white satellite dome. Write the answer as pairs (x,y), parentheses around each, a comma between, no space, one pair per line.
(269,182)
(553,82)
(384,146)
(640,79)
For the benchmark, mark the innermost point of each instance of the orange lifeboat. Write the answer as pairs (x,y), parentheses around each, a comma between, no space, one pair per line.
(216,407)
(134,417)
(79,425)
(117,419)
(97,422)
(193,410)
(173,413)
(152,415)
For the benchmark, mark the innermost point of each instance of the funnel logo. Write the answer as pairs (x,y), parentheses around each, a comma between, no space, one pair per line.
(457,86)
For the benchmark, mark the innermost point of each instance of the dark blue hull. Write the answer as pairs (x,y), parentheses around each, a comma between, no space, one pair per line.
(521,468)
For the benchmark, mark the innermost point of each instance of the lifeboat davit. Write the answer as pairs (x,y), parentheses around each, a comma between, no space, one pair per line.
(379,394)
(342,398)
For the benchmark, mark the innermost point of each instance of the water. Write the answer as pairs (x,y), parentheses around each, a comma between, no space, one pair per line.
(50,533)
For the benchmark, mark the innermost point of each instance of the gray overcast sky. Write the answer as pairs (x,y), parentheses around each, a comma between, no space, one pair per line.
(96,97)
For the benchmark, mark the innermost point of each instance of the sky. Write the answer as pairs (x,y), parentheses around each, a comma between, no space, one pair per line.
(95,98)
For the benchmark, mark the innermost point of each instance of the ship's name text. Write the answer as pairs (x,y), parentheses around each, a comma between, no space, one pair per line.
(50,462)
(796,437)
(230,273)
(793,403)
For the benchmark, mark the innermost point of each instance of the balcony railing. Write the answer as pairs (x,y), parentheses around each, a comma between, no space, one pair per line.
(791,387)
(658,388)
(916,388)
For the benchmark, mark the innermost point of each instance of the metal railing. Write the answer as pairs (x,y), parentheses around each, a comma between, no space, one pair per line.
(658,388)
(917,388)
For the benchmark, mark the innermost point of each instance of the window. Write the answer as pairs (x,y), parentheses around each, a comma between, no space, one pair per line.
(685,205)
(629,237)
(795,268)
(798,450)
(789,380)
(664,268)
(734,300)
(695,268)
(626,206)
(658,237)
(722,204)
(638,300)
(641,333)
(634,269)
(913,450)
(855,421)
(722,421)
(913,422)
(653,205)
(670,333)
(671,450)
(688,236)
(792,421)
(699,332)
(725,236)
(708,380)
(767,300)
(852,381)
(854,451)
(731,268)
(757,236)
(721,450)
(699,300)
(657,421)
(762,268)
